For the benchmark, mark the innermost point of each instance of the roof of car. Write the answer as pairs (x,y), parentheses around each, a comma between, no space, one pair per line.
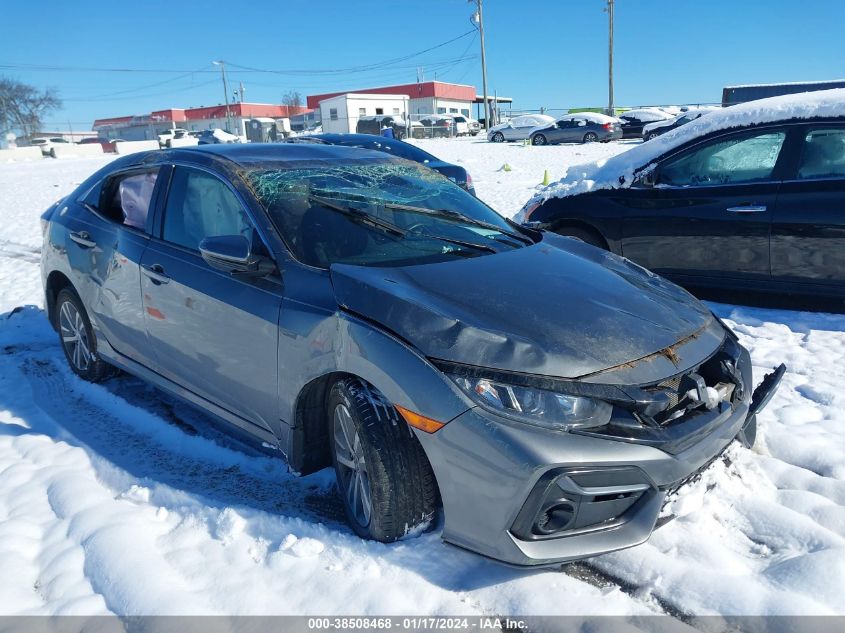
(252,153)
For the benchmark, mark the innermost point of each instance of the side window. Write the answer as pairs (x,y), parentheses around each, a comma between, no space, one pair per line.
(126,198)
(333,114)
(735,160)
(823,155)
(200,205)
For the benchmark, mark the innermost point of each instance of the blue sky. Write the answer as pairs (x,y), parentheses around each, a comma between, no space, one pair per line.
(550,53)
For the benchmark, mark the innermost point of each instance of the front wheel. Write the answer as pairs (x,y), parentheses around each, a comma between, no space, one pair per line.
(650,136)
(498,137)
(383,476)
(538,139)
(77,338)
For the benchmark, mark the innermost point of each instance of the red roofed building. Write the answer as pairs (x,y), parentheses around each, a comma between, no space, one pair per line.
(427,97)
(148,126)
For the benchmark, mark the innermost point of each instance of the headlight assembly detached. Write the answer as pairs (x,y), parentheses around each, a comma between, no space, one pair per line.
(549,409)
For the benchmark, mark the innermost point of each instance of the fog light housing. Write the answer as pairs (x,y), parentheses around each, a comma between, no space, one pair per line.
(569,501)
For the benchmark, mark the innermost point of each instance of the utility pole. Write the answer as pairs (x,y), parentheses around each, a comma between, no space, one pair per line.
(610,108)
(480,15)
(241,93)
(225,94)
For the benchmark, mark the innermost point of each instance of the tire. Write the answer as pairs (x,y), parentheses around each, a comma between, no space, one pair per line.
(591,137)
(650,136)
(498,137)
(585,235)
(76,337)
(376,454)
(538,139)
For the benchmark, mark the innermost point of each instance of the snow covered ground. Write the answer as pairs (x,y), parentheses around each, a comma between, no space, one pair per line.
(115,498)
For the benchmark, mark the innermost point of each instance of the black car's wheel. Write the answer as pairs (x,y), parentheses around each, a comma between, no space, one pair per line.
(649,136)
(498,137)
(538,139)
(77,338)
(591,137)
(383,476)
(585,235)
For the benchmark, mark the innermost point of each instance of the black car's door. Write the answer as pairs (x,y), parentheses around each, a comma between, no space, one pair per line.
(710,209)
(213,333)
(808,226)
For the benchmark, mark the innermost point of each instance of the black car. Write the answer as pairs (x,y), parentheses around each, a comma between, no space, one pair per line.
(759,206)
(633,121)
(656,128)
(373,125)
(455,173)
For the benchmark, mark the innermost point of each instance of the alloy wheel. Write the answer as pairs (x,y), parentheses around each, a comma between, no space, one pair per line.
(590,137)
(354,480)
(498,137)
(74,336)
(539,140)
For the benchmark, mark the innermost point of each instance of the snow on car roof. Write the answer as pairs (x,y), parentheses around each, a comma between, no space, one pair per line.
(589,116)
(609,173)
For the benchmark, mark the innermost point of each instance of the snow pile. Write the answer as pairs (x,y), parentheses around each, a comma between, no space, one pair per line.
(620,171)
(648,114)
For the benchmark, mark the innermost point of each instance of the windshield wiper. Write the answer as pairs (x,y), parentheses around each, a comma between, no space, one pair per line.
(458,217)
(365,218)
(360,216)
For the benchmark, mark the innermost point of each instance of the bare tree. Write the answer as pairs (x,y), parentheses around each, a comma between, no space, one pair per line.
(292,99)
(23,107)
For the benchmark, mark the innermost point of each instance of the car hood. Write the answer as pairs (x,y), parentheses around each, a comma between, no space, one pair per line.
(558,308)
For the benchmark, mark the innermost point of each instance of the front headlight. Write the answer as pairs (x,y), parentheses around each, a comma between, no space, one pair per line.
(549,409)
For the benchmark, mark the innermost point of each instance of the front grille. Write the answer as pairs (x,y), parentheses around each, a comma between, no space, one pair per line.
(670,386)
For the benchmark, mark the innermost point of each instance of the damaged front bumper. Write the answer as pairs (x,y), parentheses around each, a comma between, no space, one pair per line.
(525,495)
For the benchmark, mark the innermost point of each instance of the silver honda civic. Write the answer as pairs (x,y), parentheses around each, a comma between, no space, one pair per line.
(533,396)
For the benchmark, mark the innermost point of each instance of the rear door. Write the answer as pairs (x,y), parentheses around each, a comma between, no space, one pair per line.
(808,226)
(213,333)
(709,210)
(107,233)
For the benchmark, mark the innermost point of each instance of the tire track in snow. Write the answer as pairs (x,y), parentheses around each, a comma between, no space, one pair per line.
(13,250)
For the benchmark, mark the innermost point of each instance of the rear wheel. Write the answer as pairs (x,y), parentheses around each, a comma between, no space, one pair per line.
(538,139)
(77,339)
(591,137)
(383,476)
(498,137)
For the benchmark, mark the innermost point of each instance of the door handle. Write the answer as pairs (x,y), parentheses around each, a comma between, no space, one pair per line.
(749,208)
(83,239)
(155,273)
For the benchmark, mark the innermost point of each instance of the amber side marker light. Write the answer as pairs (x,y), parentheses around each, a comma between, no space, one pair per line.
(419,421)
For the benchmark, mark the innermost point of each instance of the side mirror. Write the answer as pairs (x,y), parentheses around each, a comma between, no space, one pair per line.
(233,254)
(648,179)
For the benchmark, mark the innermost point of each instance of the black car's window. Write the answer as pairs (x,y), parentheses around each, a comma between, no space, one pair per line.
(823,154)
(201,205)
(376,213)
(125,198)
(739,159)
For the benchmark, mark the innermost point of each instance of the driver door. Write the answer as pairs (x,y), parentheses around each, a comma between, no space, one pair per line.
(709,209)
(213,333)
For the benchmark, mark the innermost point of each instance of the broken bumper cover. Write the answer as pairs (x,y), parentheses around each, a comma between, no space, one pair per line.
(527,496)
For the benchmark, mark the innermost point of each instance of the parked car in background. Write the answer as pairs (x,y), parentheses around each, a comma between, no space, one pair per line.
(374,124)
(656,128)
(748,197)
(46,144)
(216,136)
(106,144)
(518,128)
(439,126)
(166,136)
(394,147)
(581,127)
(346,308)
(466,126)
(633,121)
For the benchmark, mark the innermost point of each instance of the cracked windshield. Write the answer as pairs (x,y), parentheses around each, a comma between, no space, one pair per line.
(379,214)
